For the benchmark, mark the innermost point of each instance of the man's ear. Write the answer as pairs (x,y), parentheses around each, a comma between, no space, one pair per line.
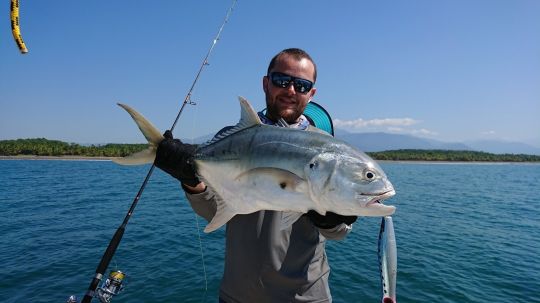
(312,92)
(265,84)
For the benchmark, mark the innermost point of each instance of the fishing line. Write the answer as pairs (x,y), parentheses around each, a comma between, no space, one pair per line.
(195,114)
(117,237)
(202,258)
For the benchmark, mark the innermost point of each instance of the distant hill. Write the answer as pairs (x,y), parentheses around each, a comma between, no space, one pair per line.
(375,142)
(380,141)
(199,140)
(502,147)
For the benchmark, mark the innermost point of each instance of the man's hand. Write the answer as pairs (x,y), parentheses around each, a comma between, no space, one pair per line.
(330,220)
(176,159)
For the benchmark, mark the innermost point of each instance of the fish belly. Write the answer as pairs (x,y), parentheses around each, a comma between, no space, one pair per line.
(248,191)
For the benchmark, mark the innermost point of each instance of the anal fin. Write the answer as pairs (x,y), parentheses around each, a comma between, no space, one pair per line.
(223,214)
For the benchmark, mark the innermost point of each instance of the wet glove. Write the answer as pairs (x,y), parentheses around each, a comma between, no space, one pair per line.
(330,220)
(176,159)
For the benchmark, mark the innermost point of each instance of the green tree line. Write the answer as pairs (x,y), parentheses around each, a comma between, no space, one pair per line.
(45,147)
(450,155)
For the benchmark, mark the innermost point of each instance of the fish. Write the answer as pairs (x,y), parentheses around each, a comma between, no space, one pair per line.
(253,166)
(387,253)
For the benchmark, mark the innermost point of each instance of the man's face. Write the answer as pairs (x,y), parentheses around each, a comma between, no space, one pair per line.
(286,102)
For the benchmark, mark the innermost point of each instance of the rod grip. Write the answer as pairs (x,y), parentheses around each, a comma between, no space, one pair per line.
(103,264)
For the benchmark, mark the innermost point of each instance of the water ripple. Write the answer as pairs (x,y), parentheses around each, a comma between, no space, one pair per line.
(465,233)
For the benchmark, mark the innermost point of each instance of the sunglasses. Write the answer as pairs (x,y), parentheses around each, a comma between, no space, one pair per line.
(284,81)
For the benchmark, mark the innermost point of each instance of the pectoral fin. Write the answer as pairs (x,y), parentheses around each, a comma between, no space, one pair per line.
(223,214)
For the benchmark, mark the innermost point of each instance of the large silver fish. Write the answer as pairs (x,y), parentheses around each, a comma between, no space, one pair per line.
(254,167)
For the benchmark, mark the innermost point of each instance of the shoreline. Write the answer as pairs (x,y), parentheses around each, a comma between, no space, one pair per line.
(60,158)
(88,158)
(457,162)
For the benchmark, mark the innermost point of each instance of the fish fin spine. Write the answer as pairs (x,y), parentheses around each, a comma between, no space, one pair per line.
(248,118)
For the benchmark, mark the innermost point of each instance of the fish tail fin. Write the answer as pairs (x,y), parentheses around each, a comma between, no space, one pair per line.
(152,135)
(144,156)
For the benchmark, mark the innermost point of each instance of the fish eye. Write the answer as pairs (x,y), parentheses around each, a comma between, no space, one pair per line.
(369,175)
(313,165)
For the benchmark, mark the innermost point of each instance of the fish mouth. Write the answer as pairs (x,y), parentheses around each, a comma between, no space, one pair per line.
(381,197)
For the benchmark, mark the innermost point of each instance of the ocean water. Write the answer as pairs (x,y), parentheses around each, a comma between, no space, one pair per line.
(465,233)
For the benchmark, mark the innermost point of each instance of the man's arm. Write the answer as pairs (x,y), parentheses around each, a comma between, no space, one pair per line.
(202,202)
(197,189)
(176,159)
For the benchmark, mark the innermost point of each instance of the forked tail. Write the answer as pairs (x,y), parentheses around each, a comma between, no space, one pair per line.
(152,135)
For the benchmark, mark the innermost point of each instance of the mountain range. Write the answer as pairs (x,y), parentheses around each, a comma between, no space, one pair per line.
(380,141)
(372,142)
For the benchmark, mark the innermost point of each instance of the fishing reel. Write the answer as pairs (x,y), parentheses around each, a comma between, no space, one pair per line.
(110,288)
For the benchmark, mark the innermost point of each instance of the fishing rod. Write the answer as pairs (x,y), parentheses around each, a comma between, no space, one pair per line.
(112,285)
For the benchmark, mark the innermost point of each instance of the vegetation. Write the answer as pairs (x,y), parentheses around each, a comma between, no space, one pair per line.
(450,155)
(44,147)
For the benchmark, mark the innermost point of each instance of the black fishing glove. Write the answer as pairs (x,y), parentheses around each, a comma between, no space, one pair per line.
(176,159)
(330,220)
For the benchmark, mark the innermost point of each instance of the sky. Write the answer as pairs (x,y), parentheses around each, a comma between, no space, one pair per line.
(447,70)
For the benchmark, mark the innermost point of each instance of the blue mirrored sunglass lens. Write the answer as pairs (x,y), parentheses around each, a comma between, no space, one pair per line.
(302,85)
(283,81)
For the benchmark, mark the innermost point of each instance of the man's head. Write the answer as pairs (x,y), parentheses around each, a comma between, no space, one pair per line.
(288,84)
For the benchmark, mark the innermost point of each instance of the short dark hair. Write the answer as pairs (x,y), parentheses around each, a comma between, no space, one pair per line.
(298,54)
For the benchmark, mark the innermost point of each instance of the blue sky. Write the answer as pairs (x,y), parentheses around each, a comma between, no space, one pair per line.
(446,70)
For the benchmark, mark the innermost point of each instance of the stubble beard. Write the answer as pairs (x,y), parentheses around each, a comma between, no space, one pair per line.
(289,114)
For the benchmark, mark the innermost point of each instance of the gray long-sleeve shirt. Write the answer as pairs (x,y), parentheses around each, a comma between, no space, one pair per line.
(264,263)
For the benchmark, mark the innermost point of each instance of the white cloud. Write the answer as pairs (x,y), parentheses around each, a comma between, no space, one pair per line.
(424,132)
(392,125)
(418,132)
(361,123)
(488,133)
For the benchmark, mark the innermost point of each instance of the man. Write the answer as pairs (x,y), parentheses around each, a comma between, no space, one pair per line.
(264,263)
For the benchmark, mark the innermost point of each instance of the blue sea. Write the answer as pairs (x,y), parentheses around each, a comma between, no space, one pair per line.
(465,233)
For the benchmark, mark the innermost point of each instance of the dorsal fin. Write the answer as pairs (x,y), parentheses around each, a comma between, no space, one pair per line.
(248,118)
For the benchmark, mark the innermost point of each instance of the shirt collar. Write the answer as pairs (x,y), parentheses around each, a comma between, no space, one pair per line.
(302,123)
